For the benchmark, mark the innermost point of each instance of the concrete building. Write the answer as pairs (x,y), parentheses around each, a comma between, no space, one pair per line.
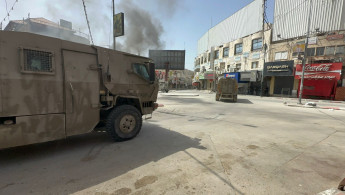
(46,27)
(233,48)
(242,59)
(324,48)
(324,76)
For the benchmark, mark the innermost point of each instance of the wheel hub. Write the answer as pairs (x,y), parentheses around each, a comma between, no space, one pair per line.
(127,123)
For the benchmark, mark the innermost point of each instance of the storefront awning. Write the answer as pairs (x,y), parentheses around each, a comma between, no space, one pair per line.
(328,71)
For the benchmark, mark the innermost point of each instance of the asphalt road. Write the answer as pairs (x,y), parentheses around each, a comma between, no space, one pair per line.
(192,145)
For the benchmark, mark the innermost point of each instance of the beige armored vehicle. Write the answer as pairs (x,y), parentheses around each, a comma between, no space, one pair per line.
(51,89)
(227,89)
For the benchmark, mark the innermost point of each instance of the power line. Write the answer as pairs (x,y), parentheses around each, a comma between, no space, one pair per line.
(87,20)
(8,12)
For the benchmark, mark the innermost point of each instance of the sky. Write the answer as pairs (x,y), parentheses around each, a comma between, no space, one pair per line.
(149,24)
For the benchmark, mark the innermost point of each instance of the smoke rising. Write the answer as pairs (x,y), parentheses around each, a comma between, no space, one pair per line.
(143,26)
(142,31)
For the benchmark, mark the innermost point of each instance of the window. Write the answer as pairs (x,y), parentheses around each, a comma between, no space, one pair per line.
(228,68)
(209,56)
(256,44)
(238,67)
(37,61)
(238,48)
(141,70)
(320,51)
(281,55)
(329,50)
(255,65)
(226,52)
(216,54)
(202,60)
(310,51)
(340,50)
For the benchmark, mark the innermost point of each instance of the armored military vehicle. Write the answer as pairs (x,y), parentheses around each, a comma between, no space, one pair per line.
(227,89)
(51,89)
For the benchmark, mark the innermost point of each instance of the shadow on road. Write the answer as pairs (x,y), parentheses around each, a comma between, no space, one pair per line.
(184,100)
(80,162)
(239,101)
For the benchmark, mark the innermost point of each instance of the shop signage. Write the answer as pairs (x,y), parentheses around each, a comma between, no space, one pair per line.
(209,75)
(229,75)
(330,71)
(160,75)
(282,68)
(255,55)
(238,58)
(234,75)
(201,76)
(245,76)
(335,37)
(312,41)
(298,48)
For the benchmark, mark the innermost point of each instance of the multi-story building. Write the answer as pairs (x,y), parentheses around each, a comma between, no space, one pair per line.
(234,45)
(323,48)
(324,73)
(242,59)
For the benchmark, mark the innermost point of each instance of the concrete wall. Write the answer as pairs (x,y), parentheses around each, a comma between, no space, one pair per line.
(244,22)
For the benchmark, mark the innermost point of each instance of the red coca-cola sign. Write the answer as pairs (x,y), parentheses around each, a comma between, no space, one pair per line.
(331,71)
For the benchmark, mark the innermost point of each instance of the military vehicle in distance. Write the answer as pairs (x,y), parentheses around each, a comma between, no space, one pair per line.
(51,89)
(227,89)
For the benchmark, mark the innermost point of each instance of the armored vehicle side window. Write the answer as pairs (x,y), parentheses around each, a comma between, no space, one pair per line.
(35,61)
(141,70)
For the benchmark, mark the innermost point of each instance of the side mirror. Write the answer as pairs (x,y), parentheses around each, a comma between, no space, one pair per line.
(152,72)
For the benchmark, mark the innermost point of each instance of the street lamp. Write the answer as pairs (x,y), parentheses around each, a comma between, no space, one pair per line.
(305,55)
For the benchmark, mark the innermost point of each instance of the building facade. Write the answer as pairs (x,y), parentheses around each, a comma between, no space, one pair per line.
(242,59)
(326,50)
(324,70)
(234,48)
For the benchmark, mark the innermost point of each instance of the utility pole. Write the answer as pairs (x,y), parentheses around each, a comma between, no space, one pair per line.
(114,25)
(263,45)
(305,55)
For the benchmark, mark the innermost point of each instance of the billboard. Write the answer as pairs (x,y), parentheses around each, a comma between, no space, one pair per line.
(175,58)
(119,29)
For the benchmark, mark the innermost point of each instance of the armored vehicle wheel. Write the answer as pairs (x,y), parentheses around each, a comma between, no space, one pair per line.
(217,97)
(124,123)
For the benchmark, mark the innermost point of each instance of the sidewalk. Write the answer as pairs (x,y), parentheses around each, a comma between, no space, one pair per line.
(323,104)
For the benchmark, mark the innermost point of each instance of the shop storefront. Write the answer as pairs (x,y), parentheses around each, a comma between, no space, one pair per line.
(209,76)
(254,79)
(242,82)
(320,80)
(280,78)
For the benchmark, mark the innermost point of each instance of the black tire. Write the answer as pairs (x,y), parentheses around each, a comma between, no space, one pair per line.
(123,115)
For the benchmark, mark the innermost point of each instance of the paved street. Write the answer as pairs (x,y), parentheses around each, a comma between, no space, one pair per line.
(193,145)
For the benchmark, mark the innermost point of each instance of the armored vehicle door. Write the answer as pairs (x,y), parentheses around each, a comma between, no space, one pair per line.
(81,91)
